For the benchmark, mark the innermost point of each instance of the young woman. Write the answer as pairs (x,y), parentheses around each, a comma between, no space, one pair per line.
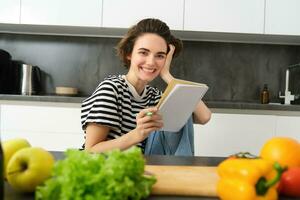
(115,115)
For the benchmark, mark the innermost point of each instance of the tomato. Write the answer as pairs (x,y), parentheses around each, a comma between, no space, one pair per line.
(284,150)
(290,182)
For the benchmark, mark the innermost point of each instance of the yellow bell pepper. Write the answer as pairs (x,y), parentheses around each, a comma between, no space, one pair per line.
(248,179)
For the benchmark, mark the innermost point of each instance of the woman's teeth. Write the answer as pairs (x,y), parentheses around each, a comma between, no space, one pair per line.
(148,70)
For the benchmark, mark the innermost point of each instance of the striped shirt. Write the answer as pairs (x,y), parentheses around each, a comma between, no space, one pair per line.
(115,103)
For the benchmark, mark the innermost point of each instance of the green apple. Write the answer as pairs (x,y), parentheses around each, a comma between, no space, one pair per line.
(28,168)
(10,147)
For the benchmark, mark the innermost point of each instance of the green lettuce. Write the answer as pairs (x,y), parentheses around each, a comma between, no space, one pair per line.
(116,175)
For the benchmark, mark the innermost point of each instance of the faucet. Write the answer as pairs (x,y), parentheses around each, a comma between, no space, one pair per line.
(288,96)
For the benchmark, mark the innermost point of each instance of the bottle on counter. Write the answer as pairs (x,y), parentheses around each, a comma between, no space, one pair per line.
(264,95)
(1,172)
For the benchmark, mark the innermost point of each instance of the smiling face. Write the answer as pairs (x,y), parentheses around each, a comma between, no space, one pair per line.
(147,58)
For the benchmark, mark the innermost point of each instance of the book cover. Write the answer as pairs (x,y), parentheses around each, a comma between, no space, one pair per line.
(178,103)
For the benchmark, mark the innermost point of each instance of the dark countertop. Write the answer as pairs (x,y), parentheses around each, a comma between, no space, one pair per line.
(251,105)
(211,104)
(153,160)
(44,98)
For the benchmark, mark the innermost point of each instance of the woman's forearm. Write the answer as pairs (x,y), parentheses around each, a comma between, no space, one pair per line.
(123,142)
(96,135)
(202,113)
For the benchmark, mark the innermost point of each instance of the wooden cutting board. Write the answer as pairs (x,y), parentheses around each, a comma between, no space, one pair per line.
(184,180)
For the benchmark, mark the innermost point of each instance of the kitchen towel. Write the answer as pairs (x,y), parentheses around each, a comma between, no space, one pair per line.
(179,143)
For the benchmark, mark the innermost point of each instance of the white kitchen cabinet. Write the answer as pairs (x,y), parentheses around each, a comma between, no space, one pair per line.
(124,14)
(10,11)
(246,16)
(226,134)
(288,126)
(282,17)
(62,12)
(51,127)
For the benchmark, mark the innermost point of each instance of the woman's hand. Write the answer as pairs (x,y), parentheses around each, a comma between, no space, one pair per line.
(147,123)
(165,71)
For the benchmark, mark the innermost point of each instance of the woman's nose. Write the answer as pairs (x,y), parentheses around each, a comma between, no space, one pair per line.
(150,60)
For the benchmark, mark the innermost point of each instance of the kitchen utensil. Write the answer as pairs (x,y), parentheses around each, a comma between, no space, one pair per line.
(184,180)
(6,78)
(30,79)
(66,91)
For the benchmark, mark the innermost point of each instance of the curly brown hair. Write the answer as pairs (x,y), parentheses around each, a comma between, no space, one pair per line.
(149,25)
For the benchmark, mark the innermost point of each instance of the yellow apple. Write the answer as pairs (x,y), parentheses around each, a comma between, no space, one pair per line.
(10,147)
(28,168)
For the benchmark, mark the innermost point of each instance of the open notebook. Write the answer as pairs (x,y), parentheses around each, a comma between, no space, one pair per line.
(178,103)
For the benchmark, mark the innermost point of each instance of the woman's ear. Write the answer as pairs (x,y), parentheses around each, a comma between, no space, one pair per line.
(128,57)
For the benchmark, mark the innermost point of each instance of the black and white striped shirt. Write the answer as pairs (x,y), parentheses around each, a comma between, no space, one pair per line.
(115,103)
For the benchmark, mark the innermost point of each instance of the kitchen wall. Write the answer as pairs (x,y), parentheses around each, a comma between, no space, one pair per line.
(233,71)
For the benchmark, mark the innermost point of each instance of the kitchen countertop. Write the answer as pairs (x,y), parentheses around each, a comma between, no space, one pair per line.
(153,160)
(211,104)
(42,98)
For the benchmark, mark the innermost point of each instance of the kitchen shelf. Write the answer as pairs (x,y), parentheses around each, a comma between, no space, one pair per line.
(119,32)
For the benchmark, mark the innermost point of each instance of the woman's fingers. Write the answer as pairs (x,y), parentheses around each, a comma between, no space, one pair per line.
(150,124)
(172,50)
(154,124)
(147,129)
(148,118)
(147,112)
(169,56)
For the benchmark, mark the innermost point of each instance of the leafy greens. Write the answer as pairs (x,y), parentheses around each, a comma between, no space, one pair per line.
(115,175)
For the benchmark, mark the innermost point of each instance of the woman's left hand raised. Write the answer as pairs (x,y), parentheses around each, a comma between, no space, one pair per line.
(165,71)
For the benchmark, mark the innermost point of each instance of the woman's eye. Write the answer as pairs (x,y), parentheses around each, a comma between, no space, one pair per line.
(143,53)
(160,56)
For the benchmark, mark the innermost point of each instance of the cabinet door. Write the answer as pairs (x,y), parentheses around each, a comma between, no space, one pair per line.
(226,134)
(53,128)
(288,126)
(241,16)
(124,14)
(10,11)
(62,12)
(282,17)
